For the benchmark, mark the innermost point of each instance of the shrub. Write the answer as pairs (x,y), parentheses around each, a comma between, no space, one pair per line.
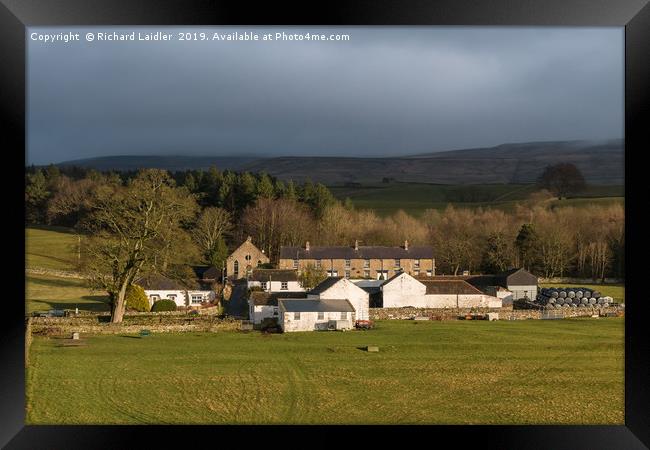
(136,299)
(163,305)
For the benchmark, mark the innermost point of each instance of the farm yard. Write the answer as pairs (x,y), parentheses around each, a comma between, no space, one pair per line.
(507,372)
(616,291)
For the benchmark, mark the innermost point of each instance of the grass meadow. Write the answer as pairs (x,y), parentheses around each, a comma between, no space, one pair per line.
(414,198)
(458,372)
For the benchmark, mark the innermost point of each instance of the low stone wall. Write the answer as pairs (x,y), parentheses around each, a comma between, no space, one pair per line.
(569,280)
(505,313)
(156,324)
(54,273)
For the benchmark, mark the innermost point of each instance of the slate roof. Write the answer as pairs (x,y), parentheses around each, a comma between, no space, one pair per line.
(325,285)
(449,287)
(308,305)
(261,298)
(364,252)
(274,275)
(161,283)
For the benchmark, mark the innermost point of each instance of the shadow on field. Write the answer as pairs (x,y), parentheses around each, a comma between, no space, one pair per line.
(132,337)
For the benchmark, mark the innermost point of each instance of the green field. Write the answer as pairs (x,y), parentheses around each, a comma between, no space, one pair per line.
(50,248)
(44,292)
(458,372)
(415,198)
(616,291)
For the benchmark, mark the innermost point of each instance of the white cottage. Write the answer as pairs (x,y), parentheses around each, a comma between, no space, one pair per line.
(274,280)
(184,293)
(263,305)
(403,290)
(315,314)
(343,288)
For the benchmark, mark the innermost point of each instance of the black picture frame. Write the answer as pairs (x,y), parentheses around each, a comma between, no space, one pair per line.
(634,15)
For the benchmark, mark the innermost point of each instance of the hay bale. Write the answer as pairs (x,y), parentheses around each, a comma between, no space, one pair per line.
(592,301)
(571,294)
(578,294)
(562,294)
(554,294)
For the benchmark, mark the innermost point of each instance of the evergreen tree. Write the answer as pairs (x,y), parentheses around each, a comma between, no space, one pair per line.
(526,244)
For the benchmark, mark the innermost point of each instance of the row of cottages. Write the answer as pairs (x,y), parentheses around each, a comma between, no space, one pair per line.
(336,299)
(402,290)
(189,292)
(367,262)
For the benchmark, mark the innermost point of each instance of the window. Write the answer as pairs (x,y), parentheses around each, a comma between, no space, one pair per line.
(284,286)
(366,264)
(344,316)
(332,273)
(347,274)
(397,263)
(321,315)
(296,316)
(416,272)
(318,263)
(428,273)
(155,298)
(197,298)
(347,263)
(295,263)
(264,285)
(171,296)
(366,274)
(275,311)
(247,257)
(259,263)
(416,264)
(236,268)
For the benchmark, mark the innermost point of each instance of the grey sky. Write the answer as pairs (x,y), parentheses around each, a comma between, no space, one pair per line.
(386,91)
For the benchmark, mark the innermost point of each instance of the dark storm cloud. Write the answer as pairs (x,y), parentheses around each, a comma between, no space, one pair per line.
(387,91)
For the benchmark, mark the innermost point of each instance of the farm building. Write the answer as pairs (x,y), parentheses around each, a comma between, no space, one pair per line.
(315,314)
(264,305)
(519,282)
(404,290)
(370,262)
(183,292)
(342,288)
(274,280)
(244,259)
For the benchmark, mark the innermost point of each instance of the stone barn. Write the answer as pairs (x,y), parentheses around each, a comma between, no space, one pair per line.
(315,314)
(403,290)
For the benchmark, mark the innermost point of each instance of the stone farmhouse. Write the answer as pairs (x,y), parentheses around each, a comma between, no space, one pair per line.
(369,262)
(244,259)
(275,280)
(403,290)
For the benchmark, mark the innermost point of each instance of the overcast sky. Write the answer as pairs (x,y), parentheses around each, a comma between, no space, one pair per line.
(386,91)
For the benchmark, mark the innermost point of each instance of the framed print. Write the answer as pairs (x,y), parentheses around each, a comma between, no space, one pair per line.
(410,218)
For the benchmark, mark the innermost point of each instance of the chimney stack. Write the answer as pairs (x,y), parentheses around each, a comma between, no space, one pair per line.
(307,245)
(249,239)
(356,244)
(406,245)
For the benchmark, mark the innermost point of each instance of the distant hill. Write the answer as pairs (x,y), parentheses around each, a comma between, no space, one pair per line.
(600,162)
(134,162)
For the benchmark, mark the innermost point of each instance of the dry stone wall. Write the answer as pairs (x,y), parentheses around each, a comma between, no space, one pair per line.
(505,313)
(99,324)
